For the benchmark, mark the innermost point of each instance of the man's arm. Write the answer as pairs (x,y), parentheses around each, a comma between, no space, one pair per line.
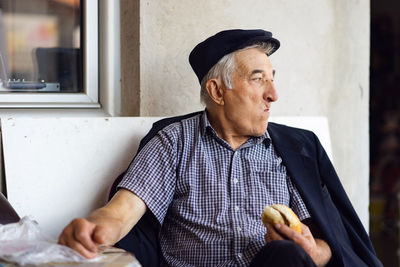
(318,249)
(104,226)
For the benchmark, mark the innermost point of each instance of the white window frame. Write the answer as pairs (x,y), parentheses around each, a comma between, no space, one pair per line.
(90,97)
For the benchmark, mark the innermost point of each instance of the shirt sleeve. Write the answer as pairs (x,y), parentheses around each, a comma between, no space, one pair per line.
(296,202)
(151,176)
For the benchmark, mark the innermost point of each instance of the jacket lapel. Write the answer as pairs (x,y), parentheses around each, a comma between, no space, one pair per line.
(301,168)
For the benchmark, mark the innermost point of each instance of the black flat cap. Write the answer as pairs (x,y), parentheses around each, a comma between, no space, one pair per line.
(207,53)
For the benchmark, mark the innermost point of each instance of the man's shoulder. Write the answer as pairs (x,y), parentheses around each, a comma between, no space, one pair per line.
(291,137)
(286,130)
(170,123)
(163,123)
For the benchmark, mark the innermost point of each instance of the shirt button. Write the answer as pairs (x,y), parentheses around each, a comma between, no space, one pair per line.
(239,229)
(235,180)
(237,208)
(240,255)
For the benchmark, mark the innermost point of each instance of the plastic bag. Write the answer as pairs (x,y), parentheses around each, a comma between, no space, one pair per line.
(24,243)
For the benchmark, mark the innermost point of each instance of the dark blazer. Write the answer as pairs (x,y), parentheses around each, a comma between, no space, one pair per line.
(324,196)
(316,181)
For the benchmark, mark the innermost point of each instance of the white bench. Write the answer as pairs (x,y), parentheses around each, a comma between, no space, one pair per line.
(57,169)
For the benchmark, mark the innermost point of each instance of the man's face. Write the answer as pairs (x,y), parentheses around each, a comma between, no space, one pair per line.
(248,104)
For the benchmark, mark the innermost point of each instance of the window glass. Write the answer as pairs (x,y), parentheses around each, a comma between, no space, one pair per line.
(40,46)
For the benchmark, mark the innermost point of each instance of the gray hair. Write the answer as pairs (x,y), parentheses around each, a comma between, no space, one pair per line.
(223,70)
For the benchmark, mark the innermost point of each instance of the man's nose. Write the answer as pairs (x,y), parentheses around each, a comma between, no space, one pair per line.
(270,93)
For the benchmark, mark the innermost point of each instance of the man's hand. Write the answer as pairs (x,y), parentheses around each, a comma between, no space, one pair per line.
(318,249)
(104,226)
(85,236)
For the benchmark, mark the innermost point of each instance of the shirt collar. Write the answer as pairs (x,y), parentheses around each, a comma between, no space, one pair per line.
(204,123)
(206,127)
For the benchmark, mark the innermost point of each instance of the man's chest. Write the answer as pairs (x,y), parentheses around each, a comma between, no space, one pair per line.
(213,181)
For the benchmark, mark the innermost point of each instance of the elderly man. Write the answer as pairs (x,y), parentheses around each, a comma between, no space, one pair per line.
(206,177)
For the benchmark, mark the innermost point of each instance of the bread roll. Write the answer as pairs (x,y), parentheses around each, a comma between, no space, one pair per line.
(282,214)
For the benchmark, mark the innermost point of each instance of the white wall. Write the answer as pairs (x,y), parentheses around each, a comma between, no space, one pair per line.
(322,66)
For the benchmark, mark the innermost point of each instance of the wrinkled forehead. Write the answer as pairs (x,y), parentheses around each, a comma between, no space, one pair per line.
(252,59)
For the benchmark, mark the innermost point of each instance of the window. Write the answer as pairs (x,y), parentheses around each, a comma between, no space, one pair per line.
(49,53)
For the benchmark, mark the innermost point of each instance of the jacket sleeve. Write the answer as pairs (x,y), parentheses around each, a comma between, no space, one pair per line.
(332,187)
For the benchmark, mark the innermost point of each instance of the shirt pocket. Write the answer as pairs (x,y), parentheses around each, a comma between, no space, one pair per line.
(267,186)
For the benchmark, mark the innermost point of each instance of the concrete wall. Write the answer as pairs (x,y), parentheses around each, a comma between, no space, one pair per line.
(322,66)
(130,67)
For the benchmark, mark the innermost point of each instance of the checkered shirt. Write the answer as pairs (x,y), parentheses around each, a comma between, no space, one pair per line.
(207,196)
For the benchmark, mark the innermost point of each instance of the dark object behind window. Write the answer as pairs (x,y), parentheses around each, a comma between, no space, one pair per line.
(61,65)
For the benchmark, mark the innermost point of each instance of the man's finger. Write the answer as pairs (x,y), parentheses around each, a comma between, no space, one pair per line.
(83,231)
(267,238)
(305,230)
(273,233)
(99,235)
(80,249)
(62,238)
(288,232)
(305,240)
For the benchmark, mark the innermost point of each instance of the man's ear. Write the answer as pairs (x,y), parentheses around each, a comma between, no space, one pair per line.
(215,90)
